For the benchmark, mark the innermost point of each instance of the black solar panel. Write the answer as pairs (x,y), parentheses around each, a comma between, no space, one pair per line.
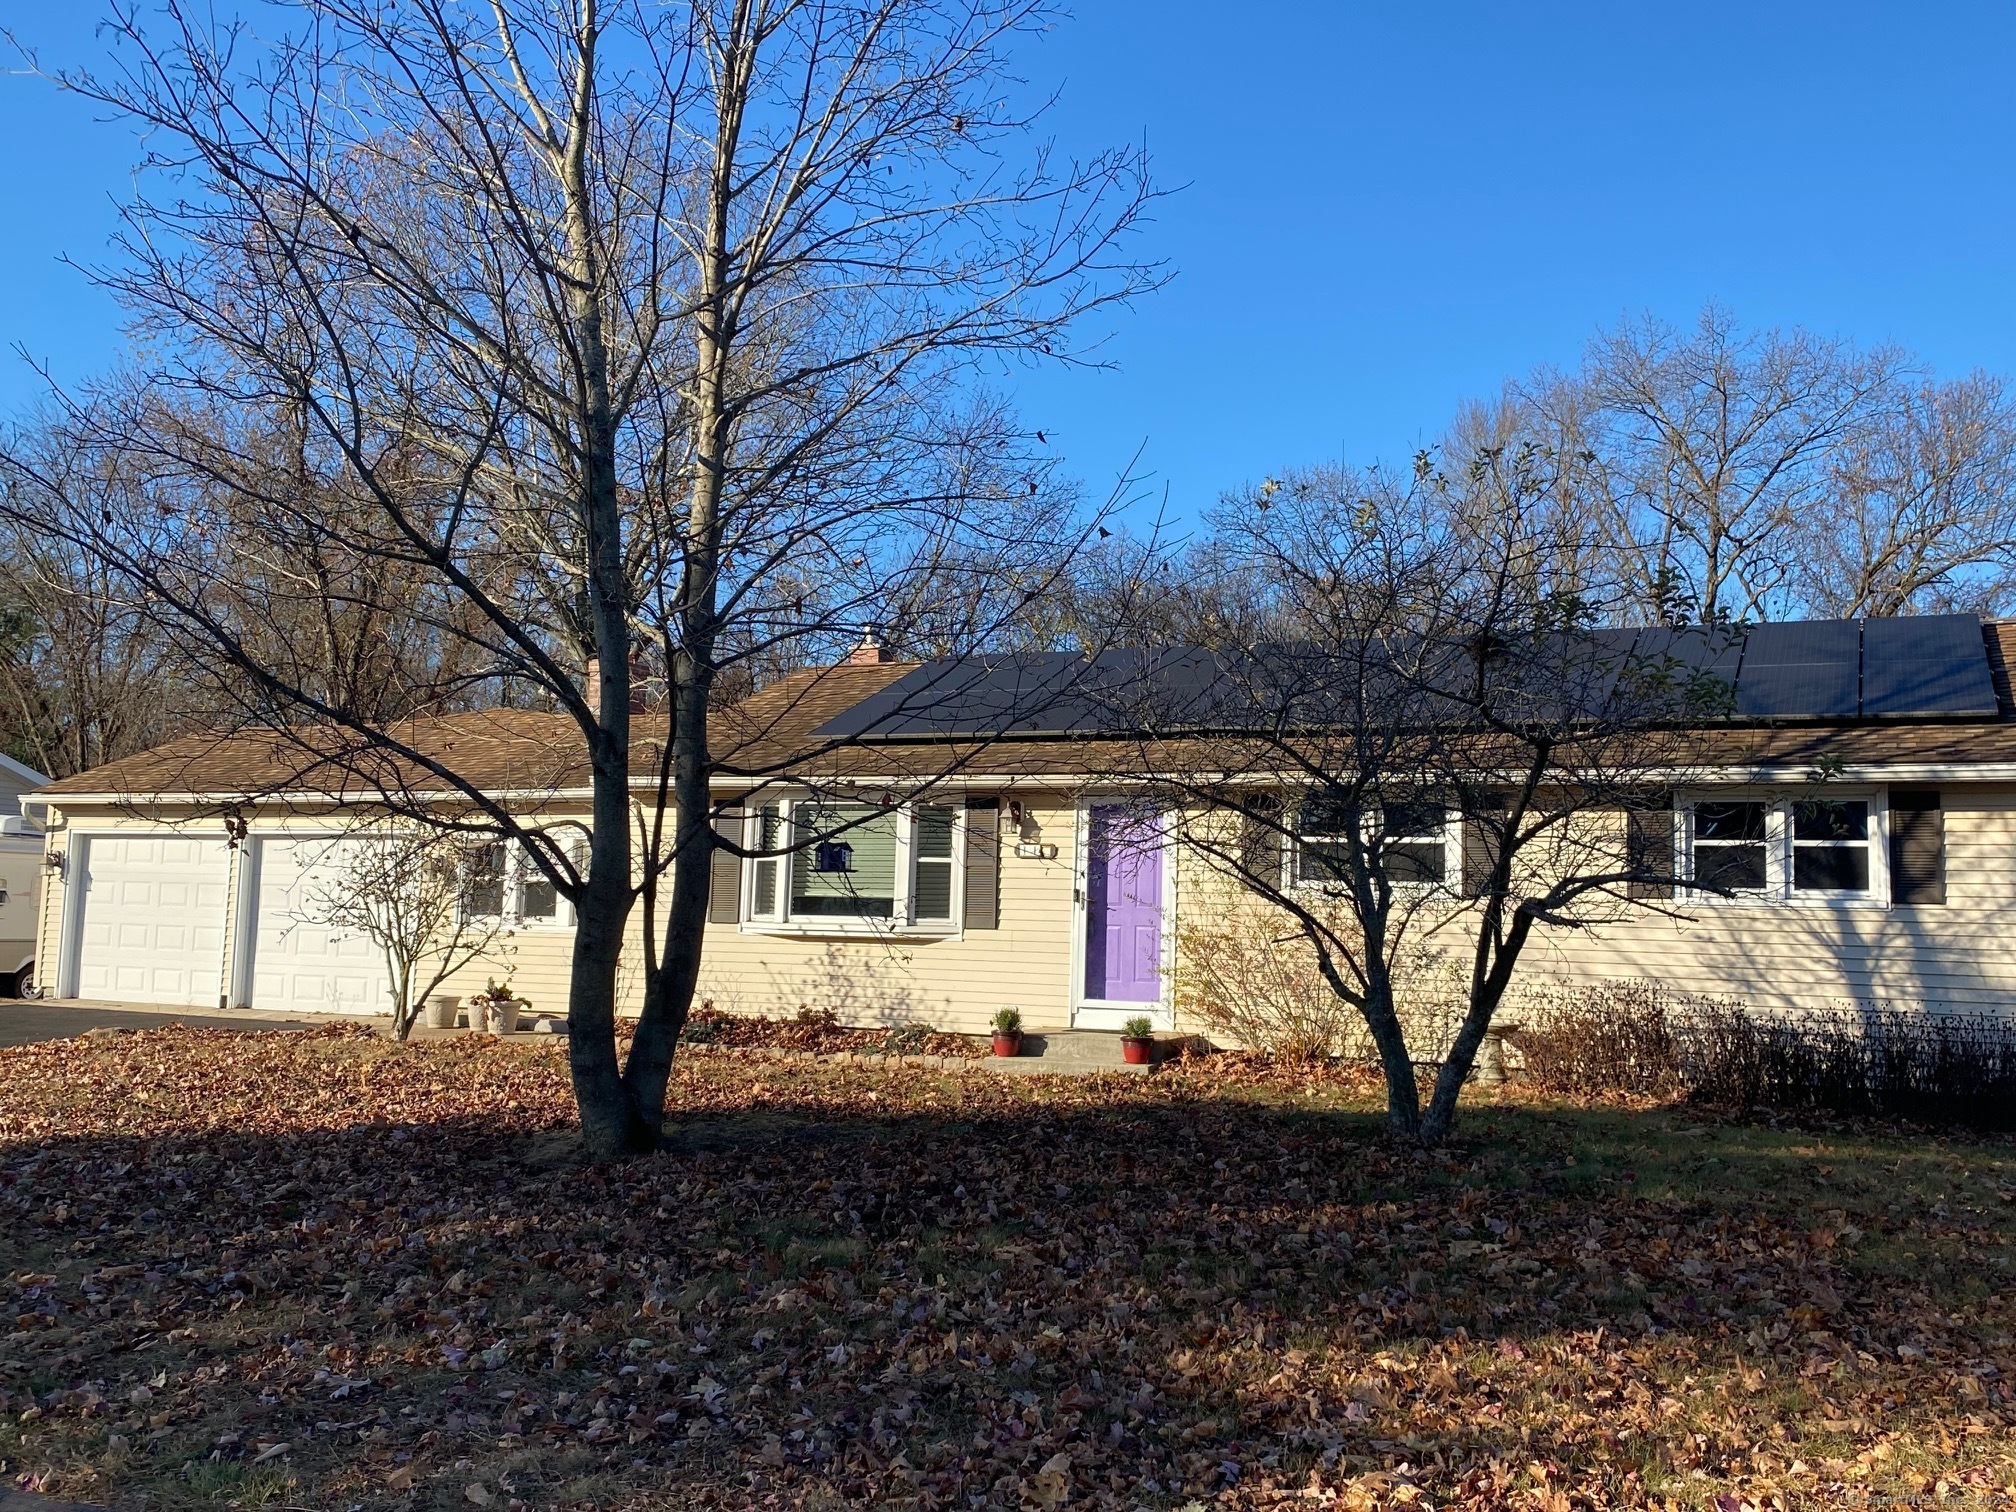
(1034,693)
(1801,669)
(1925,666)
(1930,664)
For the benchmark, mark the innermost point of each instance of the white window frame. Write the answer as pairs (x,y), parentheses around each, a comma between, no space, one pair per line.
(519,870)
(1778,891)
(1452,852)
(902,920)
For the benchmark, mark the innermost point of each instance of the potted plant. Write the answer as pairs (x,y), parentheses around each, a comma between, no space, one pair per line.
(495,1009)
(1008,1032)
(1137,1041)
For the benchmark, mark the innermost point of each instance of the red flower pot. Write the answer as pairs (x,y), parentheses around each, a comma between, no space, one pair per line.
(1137,1052)
(1008,1043)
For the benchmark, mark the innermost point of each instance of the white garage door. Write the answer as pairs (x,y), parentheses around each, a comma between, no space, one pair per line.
(152,929)
(300,963)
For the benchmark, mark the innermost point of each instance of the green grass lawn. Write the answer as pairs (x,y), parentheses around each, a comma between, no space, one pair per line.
(327,1272)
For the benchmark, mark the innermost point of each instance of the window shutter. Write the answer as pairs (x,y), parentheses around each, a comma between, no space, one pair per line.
(1480,848)
(1917,846)
(724,891)
(1260,839)
(1648,845)
(983,863)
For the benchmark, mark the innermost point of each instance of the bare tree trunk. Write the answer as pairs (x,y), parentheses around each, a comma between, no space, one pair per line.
(668,994)
(1403,1092)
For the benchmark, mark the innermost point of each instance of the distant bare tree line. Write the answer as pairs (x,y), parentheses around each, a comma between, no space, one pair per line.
(1686,476)
(1694,474)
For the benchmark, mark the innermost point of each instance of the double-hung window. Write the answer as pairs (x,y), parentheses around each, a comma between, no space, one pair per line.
(1812,849)
(851,866)
(500,881)
(1414,840)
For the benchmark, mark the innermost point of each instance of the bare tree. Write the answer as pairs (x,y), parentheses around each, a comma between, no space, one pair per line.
(84,677)
(1704,449)
(407,892)
(1920,509)
(647,340)
(1432,753)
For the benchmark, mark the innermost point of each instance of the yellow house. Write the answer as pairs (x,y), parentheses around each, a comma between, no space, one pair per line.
(972,865)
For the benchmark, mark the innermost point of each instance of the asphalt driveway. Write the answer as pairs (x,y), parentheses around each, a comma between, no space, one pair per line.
(25,1023)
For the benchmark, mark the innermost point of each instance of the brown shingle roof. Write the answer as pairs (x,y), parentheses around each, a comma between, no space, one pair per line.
(772,734)
(497,750)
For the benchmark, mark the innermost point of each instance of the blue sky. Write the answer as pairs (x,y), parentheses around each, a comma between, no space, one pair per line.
(1388,208)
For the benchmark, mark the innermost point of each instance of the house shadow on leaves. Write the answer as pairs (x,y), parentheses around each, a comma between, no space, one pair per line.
(855,1287)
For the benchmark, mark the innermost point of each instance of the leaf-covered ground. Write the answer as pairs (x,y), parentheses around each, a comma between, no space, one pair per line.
(324,1271)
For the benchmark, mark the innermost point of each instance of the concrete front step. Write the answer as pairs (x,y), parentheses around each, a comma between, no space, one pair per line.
(1070,1052)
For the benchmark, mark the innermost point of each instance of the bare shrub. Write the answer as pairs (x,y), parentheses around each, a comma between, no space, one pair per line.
(1603,1038)
(1928,1067)
(1863,1060)
(1251,979)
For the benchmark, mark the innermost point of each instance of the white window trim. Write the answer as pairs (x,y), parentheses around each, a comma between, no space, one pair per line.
(1778,891)
(902,923)
(1452,856)
(518,871)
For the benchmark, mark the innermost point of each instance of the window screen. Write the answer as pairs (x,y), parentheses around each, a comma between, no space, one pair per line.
(483,881)
(1413,843)
(933,887)
(769,830)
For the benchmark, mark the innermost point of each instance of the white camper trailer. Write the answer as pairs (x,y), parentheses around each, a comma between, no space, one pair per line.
(20,878)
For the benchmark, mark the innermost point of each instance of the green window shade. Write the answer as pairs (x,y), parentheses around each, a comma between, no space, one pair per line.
(934,863)
(845,864)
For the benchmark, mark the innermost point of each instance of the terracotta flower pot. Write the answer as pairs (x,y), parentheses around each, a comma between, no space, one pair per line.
(1137,1052)
(1008,1042)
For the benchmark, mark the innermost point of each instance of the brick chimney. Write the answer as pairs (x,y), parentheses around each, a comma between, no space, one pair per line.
(638,702)
(870,653)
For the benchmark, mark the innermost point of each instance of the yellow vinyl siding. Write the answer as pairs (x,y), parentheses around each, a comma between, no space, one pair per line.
(954,984)
(1777,955)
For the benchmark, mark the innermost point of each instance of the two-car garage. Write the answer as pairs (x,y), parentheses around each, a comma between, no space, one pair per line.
(151,916)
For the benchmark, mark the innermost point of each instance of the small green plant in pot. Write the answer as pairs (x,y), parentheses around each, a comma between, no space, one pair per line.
(1008,1032)
(1137,1041)
(496,1008)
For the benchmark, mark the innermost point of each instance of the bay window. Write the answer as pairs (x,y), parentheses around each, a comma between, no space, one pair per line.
(851,866)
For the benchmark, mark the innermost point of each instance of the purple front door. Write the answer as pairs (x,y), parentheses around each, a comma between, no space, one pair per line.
(1123,906)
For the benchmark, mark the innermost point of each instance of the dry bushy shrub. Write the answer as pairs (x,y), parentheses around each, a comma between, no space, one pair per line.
(1928,1067)
(1640,1037)
(1604,1037)
(1250,979)
(820,1029)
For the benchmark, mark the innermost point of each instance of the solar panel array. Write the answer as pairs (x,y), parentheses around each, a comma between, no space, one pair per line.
(1922,667)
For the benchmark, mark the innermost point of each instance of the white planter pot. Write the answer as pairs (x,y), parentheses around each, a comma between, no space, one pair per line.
(441,1011)
(500,1017)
